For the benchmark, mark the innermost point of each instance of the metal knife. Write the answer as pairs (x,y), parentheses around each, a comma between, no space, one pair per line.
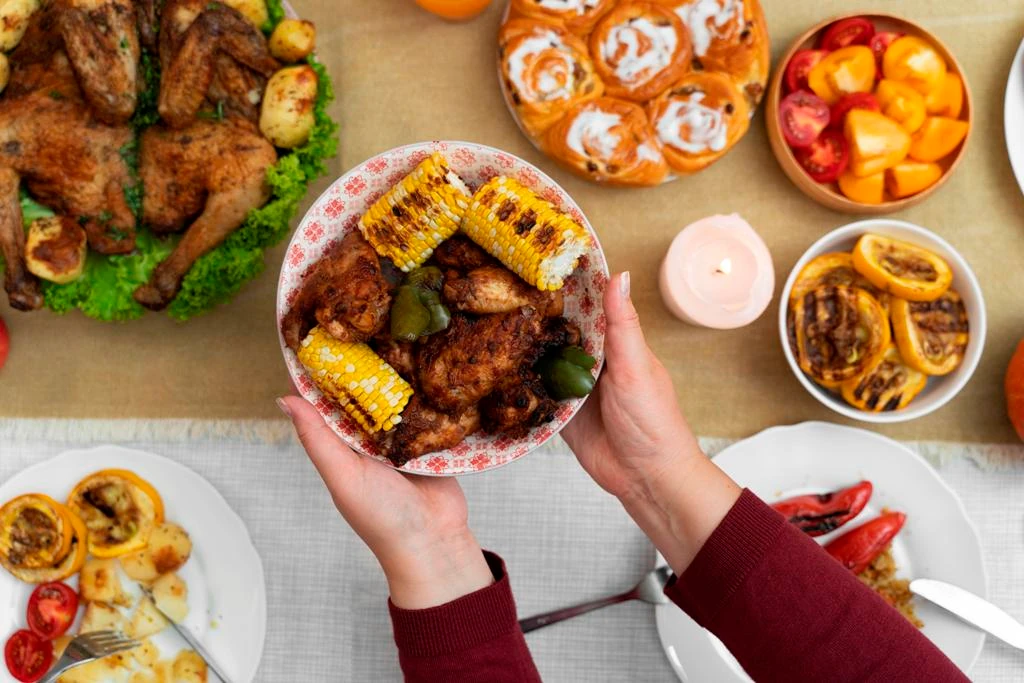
(972,609)
(188,638)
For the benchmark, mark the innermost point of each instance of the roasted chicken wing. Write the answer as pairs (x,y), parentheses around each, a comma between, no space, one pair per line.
(425,430)
(517,406)
(461,253)
(205,177)
(210,52)
(398,354)
(496,289)
(470,359)
(346,294)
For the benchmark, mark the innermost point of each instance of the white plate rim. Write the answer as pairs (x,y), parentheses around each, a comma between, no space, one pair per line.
(1013,107)
(672,653)
(228,517)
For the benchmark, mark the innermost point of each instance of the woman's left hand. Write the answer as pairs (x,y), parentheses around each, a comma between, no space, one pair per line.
(416,526)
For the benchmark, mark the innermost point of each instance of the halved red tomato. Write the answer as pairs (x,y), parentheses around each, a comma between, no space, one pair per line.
(799,66)
(51,609)
(826,158)
(847,32)
(5,343)
(27,656)
(855,100)
(880,43)
(802,115)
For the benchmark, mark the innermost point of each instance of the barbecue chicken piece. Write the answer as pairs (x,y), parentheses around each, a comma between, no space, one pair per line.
(346,294)
(517,406)
(461,253)
(21,286)
(210,52)
(471,358)
(398,354)
(425,430)
(206,177)
(496,289)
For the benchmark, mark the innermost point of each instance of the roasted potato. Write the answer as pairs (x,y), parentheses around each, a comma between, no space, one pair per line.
(99,582)
(106,670)
(169,547)
(171,596)
(101,617)
(293,40)
(55,249)
(5,71)
(253,10)
(139,566)
(189,668)
(286,118)
(146,621)
(14,16)
(146,654)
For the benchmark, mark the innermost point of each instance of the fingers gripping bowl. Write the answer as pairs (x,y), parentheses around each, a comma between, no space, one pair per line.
(938,386)
(335,217)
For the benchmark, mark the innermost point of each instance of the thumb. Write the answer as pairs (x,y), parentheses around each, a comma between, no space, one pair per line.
(333,459)
(624,342)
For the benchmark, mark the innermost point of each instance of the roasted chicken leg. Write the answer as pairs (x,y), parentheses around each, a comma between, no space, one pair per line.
(425,430)
(206,177)
(496,289)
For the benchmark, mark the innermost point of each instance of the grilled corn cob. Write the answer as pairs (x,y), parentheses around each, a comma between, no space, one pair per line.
(356,378)
(421,211)
(526,233)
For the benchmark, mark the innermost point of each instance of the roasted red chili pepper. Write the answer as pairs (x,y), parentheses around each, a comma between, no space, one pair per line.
(859,548)
(817,514)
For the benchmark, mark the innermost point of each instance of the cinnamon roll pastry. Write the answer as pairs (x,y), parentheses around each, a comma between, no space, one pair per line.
(730,36)
(608,140)
(578,16)
(546,70)
(639,49)
(698,119)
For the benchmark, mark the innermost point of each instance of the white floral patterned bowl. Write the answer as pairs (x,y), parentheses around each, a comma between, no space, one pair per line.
(337,211)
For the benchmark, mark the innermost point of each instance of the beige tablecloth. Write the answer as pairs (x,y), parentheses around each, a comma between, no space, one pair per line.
(404,76)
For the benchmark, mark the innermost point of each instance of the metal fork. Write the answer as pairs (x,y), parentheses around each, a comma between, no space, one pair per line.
(650,589)
(89,647)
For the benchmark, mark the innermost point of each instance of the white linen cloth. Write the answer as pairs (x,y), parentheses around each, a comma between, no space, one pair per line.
(564,540)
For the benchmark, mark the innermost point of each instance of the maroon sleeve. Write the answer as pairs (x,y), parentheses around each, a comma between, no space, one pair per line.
(474,638)
(789,612)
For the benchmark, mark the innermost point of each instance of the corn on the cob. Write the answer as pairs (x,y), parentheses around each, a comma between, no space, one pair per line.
(526,233)
(356,378)
(421,211)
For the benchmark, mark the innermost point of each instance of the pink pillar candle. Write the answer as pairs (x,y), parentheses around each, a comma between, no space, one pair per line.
(718,273)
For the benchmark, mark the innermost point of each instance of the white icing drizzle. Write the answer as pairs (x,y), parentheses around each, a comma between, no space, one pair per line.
(548,88)
(707,19)
(638,65)
(707,128)
(592,129)
(580,7)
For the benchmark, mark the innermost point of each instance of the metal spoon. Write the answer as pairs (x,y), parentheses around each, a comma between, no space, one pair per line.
(650,589)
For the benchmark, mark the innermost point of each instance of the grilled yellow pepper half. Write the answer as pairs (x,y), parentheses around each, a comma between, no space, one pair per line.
(35,532)
(119,509)
(890,385)
(932,335)
(904,270)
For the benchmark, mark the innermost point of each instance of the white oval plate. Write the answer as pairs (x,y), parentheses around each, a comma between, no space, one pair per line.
(227,593)
(939,541)
(1013,116)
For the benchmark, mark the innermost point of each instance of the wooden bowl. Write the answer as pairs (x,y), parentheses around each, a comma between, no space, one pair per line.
(828,194)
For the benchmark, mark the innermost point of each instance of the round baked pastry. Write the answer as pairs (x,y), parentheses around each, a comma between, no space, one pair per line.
(639,49)
(579,16)
(730,36)
(608,140)
(698,119)
(546,70)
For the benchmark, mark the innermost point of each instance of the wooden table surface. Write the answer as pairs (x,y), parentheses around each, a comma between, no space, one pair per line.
(404,76)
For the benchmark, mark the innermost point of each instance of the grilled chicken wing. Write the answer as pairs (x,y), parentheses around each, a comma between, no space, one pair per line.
(517,406)
(496,289)
(469,360)
(425,430)
(209,51)
(346,293)
(212,172)
(461,253)
(398,354)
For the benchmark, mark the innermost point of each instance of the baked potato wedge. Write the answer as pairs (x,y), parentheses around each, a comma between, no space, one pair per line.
(189,667)
(99,582)
(14,16)
(171,597)
(169,547)
(146,621)
(292,40)
(99,616)
(139,566)
(286,117)
(55,249)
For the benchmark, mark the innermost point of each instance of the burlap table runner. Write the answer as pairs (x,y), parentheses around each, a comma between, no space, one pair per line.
(404,76)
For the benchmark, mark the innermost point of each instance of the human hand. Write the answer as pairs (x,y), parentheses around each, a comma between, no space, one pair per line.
(633,440)
(417,527)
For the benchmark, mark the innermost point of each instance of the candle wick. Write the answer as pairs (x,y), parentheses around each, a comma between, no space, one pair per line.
(725,267)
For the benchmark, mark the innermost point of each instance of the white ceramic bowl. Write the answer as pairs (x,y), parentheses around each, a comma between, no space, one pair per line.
(940,390)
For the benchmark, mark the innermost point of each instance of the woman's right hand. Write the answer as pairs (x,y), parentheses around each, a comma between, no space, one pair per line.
(632,439)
